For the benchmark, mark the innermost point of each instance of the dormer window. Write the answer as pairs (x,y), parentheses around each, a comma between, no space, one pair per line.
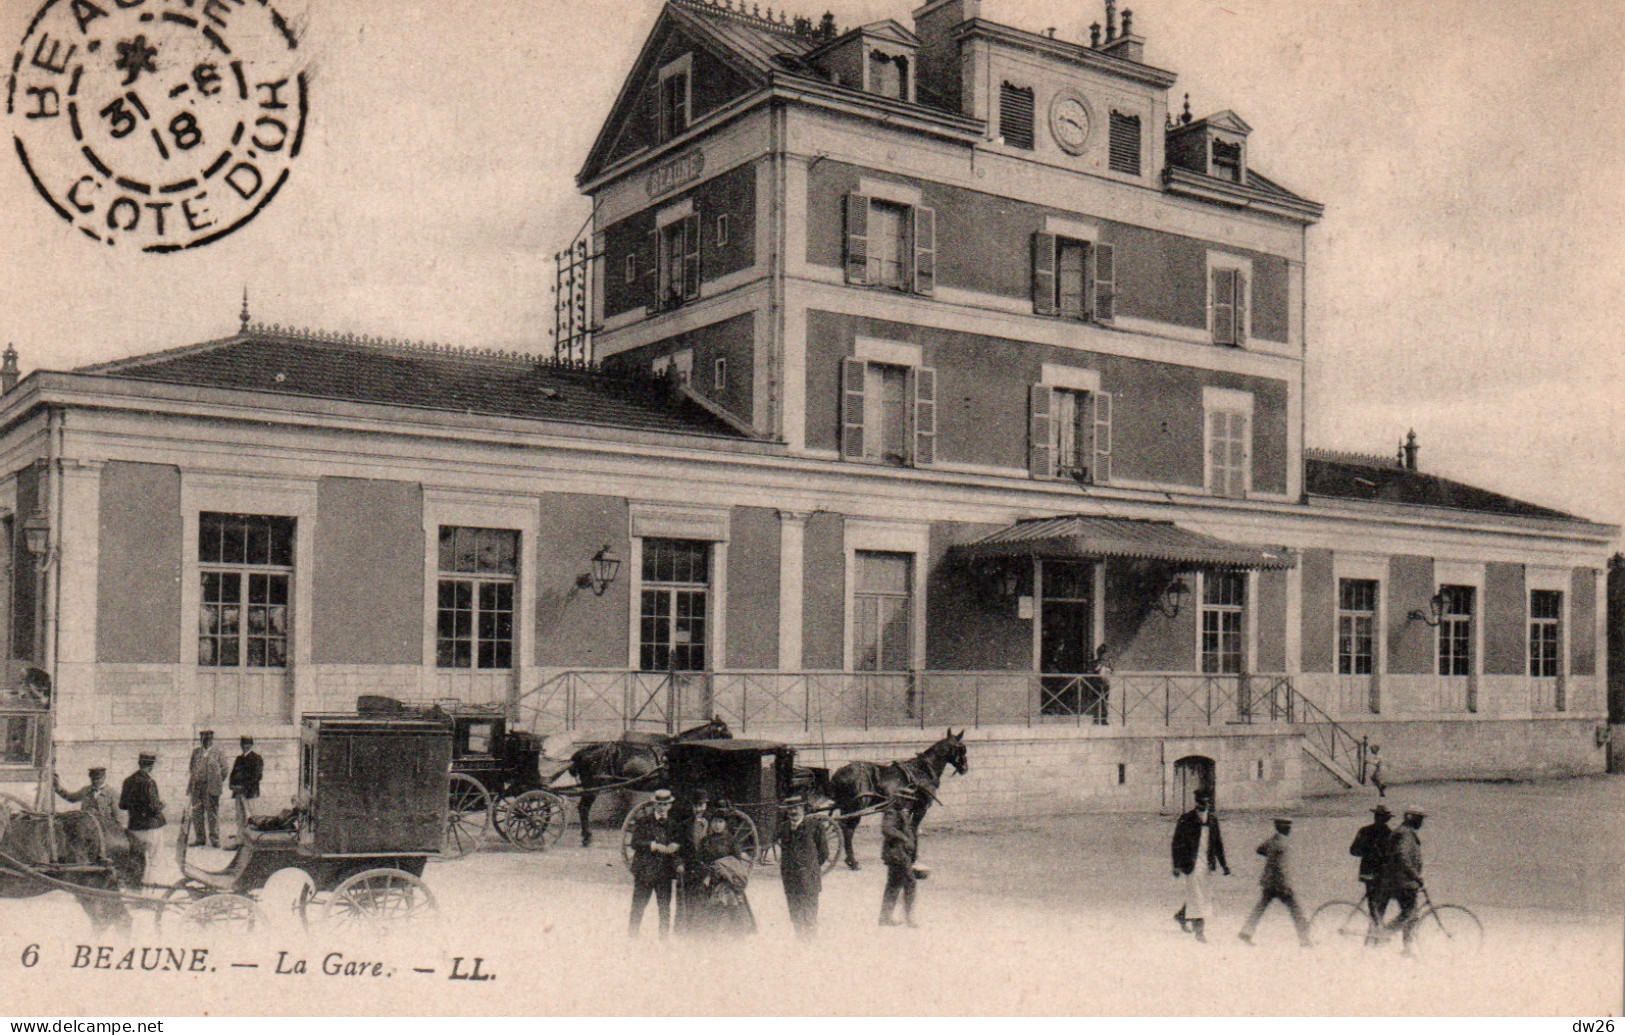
(888,75)
(674,99)
(1227,161)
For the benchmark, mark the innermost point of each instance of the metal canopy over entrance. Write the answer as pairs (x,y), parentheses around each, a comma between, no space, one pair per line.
(1078,537)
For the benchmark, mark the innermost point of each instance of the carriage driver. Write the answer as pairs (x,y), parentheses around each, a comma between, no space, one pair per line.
(94,799)
(654,862)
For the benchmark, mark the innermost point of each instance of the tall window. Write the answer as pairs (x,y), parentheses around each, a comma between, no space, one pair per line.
(890,244)
(883,612)
(245,562)
(1545,633)
(885,418)
(889,250)
(1125,143)
(1074,419)
(673,105)
(1456,631)
(1228,304)
(1229,453)
(1070,434)
(1074,279)
(888,412)
(479,570)
(1016,116)
(675,606)
(677,260)
(19,740)
(1356,623)
(1224,605)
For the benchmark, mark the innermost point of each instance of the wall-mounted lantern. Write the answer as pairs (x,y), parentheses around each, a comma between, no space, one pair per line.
(1172,597)
(1434,614)
(605,566)
(37,534)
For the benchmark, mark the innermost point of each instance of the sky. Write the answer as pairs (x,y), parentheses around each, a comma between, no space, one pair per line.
(1465,282)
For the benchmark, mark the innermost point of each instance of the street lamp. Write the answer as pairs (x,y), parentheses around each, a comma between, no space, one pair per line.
(37,535)
(1434,614)
(605,566)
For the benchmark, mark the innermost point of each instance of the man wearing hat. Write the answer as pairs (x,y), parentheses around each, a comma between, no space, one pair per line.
(1371,845)
(1276,883)
(802,855)
(898,850)
(654,862)
(205,777)
(1402,875)
(140,801)
(94,799)
(246,772)
(1198,849)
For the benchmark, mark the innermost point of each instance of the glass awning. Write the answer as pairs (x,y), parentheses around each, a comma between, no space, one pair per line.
(1078,538)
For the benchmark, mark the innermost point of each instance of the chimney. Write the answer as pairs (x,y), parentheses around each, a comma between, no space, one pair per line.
(937,65)
(1111,21)
(1125,45)
(1409,450)
(8,371)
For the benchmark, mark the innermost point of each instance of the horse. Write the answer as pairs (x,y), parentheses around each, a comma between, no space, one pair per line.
(629,763)
(86,856)
(858,785)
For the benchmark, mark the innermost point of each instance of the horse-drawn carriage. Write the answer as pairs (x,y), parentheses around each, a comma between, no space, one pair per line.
(499,780)
(371,811)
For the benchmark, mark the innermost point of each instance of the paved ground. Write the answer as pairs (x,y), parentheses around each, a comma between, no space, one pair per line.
(1069,915)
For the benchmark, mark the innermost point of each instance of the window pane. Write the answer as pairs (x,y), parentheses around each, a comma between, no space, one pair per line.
(448,548)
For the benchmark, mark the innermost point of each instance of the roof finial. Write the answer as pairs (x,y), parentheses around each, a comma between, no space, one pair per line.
(1094,34)
(1185,116)
(1128,22)
(244,314)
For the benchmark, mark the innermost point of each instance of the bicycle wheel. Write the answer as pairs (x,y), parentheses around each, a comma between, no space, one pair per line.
(1448,932)
(1340,924)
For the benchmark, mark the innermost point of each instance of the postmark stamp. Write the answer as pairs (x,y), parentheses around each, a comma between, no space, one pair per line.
(158,124)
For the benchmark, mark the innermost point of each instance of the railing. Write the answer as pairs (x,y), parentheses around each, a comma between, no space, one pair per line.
(758,700)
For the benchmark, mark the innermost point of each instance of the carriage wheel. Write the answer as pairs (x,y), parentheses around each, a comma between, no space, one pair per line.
(379,898)
(743,835)
(468,815)
(829,831)
(533,821)
(215,914)
(1448,933)
(626,829)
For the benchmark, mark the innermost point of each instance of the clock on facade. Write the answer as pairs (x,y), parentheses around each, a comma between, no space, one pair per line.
(1069,121)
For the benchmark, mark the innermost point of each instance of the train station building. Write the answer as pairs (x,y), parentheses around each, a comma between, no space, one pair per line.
(927,373)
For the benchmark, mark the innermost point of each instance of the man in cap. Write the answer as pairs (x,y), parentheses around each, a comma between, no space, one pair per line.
(899,847)
(205,777)
(654,862)
(246,772)
(140,801)
(95,799)
(1402,874)
(1198,849)
(1276,883)
(1371,845)
(802,855)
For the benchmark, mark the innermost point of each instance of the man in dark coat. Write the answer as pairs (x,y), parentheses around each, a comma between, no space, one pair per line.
(1197,834)
(1371,844)
(1402,873)
(899,847)
(145,810)
(802,855)
(654,862)
(1276,883)
(246,772)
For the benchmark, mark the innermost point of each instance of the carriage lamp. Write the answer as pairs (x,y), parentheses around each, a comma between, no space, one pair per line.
(605,566)
(37,533)
(1433,615)
(1172,596)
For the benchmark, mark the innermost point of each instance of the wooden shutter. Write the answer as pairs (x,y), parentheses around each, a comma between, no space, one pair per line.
(925,416)
(1241,307)
(1218,424)
(651,273)
(1105,292)
(1241,450)
(691,256)
(652,101)
(857,239)
(1044,274)
(1040,439)
(1103,438)
(852,375)
(1224,307)
(925,250)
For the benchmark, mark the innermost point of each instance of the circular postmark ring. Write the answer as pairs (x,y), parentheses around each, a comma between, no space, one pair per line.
(163,124)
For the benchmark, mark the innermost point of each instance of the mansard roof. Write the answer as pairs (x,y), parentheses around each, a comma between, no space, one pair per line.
(352,368)
(1350,476)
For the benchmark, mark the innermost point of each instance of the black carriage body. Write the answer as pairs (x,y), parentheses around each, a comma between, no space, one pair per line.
(753,776)
(375,786)
(505,762)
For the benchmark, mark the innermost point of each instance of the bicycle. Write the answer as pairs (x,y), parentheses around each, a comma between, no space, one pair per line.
(1444,931)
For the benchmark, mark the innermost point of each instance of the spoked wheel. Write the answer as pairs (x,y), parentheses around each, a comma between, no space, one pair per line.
(743,835)
(374,900)
(468,815)
(214,914)
(1339,925)
(632,816)
(829,831)
(1448,933)
(533,821)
